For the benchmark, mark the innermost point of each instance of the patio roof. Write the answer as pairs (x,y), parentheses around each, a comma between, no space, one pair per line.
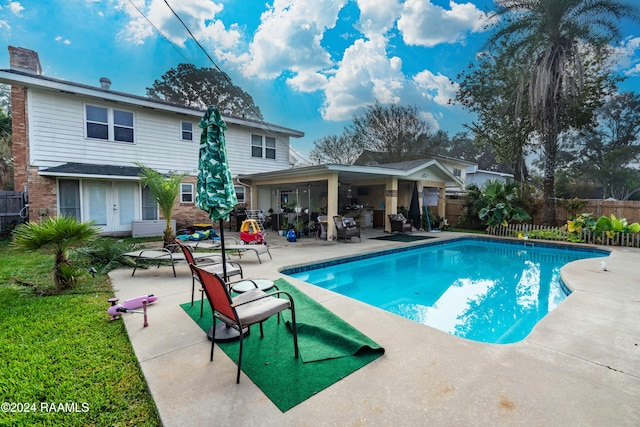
(414,170)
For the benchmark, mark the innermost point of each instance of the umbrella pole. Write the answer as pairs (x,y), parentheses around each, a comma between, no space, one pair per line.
(224,256)
(222,331)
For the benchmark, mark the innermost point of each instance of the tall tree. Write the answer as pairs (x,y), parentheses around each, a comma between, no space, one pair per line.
(337,149)
(462,147)
(550,33)
(492,89)
(610,153)
(397,131)
(201,87)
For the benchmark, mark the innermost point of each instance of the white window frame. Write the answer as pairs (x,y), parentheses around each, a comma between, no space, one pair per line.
(457,172)
(110,124)
(240,194)
(189,193)
(267,147)
(190,132)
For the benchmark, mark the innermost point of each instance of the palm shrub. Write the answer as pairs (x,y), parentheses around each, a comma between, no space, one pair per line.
(106,255)
(499,203)
(57,235)
(164,190)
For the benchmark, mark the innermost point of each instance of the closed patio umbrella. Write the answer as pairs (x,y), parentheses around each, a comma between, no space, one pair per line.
(215,193)
(414,208)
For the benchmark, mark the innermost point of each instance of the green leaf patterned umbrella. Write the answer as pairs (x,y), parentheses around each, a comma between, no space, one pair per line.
(215,193)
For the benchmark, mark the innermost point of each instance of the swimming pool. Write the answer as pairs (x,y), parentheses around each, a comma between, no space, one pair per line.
(479,289)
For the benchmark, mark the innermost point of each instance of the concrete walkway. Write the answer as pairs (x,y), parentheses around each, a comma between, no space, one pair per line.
(580,365)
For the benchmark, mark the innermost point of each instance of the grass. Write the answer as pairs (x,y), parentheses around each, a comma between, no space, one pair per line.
(61,355)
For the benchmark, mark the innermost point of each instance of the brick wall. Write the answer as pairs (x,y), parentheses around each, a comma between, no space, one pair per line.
(20,146)
(42,195)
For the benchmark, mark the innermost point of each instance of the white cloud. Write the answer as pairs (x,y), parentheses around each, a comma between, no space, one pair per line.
(438,88)
(377,17)
(289,37)
(61,39)
(308,81)
(198,16)
(365,75)
(627,56)
(16,8)
(425,24)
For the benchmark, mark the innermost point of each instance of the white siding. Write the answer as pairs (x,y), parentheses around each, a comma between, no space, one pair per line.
(57,135)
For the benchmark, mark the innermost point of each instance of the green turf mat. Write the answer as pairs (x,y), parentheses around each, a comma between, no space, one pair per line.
(330,349)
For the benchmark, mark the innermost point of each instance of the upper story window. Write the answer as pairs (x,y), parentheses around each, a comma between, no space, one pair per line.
(457,172)
(186,131)
(186,193)
(263,147)
(109,124)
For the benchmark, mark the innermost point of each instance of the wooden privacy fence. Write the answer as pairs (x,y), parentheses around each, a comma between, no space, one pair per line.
(12,211)
(541,232)
(629,209)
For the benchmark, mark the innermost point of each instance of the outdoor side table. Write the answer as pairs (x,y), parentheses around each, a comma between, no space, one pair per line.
(246,285)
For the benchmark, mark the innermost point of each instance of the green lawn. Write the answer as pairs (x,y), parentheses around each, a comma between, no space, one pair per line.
(63,361)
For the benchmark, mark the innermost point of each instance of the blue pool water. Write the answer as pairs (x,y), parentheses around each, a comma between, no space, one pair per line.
(477,289)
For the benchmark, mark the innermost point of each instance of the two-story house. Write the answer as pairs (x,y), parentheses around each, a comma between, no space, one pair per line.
(75,148)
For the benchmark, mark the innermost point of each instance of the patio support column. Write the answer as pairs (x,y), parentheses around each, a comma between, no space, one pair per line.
(332,205)
(390,201)
(442,202)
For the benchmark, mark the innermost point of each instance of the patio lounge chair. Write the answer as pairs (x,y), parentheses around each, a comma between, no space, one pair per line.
(211,264)
(232,245)
(400,223)
(171,254)
(347,228)
(244,310)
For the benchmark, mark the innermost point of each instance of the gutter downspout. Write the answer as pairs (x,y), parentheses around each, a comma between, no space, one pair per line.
(250,190)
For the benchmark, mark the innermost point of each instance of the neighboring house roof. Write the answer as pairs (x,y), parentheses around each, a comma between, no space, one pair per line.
(99,171)
(29,79)
(375,158)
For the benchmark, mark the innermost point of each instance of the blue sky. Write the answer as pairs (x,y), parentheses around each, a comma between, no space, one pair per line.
(309,64)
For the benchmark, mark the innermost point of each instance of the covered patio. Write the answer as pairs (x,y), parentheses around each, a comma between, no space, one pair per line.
(366,193)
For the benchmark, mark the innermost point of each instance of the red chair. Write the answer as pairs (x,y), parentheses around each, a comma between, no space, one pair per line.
(244,310)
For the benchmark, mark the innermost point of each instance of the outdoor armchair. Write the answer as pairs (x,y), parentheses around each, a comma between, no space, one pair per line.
(244,310)
(400,223)
(347,228)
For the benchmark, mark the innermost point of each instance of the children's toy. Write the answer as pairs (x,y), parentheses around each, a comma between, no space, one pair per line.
(251,233)
(130,306)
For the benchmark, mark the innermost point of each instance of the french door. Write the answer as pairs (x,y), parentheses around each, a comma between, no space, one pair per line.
(112,205)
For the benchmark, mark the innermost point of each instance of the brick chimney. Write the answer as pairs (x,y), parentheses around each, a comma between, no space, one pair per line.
(26,60)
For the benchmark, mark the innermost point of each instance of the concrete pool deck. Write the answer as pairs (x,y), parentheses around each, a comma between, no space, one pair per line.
(579,366)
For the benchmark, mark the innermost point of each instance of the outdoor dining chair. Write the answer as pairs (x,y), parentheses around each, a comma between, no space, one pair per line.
(211,263)
(244,310)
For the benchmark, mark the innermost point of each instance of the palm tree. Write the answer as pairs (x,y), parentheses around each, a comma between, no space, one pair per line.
(58,235)
(553,34)
(164,190)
